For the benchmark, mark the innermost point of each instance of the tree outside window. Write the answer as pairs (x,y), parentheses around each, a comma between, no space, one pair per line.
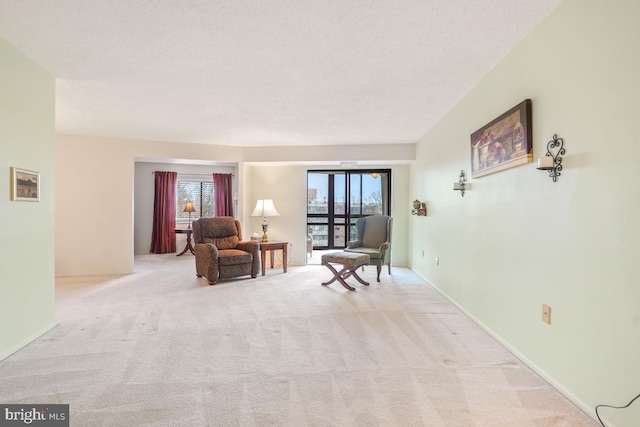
(200,193)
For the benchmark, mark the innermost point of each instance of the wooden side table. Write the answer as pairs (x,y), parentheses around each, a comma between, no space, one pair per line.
(271,247)
(188,247)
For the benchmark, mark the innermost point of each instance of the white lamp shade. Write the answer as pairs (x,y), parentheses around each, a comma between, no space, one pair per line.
(265,208)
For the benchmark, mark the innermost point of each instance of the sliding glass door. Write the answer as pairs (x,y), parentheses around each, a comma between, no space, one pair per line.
(336,198)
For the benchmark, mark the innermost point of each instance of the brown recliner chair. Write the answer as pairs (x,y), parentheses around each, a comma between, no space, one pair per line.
(220,251)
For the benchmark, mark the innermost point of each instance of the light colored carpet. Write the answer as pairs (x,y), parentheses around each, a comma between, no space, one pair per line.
(162,348)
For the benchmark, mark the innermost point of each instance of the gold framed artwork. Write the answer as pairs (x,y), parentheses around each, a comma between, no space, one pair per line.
(25,185)
(503,143)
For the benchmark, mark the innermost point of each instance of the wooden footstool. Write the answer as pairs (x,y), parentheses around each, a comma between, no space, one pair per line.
(350,262)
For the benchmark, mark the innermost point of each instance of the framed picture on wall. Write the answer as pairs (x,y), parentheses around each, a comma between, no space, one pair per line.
(25,185)
(503,143)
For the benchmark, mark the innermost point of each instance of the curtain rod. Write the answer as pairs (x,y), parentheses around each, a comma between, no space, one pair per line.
(191,174)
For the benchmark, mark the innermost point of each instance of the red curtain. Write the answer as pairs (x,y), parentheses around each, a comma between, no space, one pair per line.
(222,184)
(163,239)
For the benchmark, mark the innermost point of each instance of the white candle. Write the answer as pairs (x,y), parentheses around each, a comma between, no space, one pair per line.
(545,162)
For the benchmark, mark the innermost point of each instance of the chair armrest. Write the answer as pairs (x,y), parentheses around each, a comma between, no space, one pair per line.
(206,260)
(251,246)
(206,249)
(354,244)
(383,249)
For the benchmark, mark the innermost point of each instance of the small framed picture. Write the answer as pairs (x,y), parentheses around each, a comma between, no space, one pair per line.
(25,185)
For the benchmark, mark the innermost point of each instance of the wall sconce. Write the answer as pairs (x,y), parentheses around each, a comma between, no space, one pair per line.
(419,208)
(553,162)
(461,185)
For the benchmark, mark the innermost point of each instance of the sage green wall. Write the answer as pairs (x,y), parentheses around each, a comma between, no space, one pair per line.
(518,240)
(26,235)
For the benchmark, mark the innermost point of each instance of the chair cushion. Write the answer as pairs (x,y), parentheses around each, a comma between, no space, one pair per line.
(223,243)
(375,231)
(222,231)
(372,252)
(234,257)
(345,258)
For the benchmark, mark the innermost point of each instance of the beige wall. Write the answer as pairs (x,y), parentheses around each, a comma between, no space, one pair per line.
(334,154)
(518,240)
(95,194)
(287,186)
(27,232)
(94,208)
(96,188)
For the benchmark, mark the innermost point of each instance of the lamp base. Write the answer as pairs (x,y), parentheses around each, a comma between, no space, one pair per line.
(265,239)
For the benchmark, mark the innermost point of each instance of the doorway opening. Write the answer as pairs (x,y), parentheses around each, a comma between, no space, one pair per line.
(337,198)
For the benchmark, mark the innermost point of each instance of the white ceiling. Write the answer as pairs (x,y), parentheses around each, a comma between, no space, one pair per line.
(257,72)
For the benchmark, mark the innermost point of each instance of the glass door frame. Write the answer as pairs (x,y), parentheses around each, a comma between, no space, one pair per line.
(347,219)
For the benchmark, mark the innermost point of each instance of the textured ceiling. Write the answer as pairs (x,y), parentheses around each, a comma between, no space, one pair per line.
(256,72)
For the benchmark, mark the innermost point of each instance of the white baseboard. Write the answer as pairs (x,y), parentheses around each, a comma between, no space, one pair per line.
(552,381)
(27,341)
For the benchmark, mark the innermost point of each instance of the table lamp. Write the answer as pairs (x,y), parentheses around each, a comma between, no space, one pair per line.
(265,208)
(189,208)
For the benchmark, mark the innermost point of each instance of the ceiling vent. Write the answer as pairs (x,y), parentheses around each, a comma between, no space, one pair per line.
(348,164)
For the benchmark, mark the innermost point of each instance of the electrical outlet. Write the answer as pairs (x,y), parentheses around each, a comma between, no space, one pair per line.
(546,314)
(437,260)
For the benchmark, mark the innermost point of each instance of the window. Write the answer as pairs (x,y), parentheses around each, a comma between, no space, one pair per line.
(335,199)
(201,193)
